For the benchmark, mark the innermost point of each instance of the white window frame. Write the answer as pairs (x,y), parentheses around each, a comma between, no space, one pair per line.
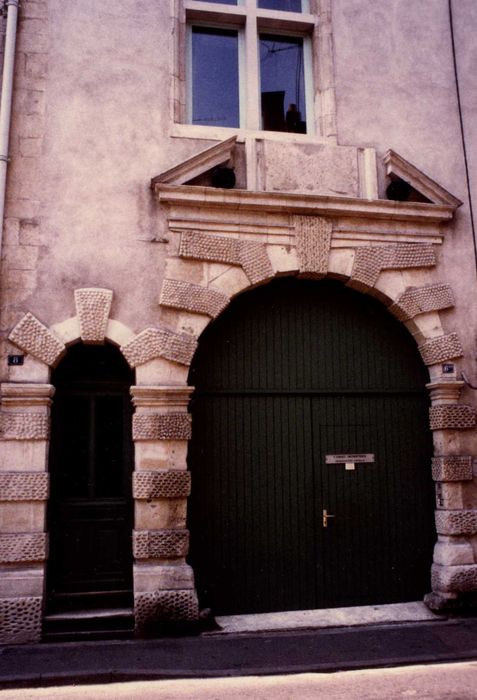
(250,21)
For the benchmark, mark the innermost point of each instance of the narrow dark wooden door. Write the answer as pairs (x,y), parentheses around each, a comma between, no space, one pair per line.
(290,373)
(90,510)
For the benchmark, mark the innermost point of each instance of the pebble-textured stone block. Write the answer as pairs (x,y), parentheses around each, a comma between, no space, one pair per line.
(20,620)
(202,246)
(164,606)
(173,483)
(250,255)
(452,417)
(160,342)
(255,261)
(166,544)
(437,350)
(162,426)
(418,300)
(192,297)
(455,579)
(313,243)
(36,339)
(408,255)
(452,468)
(24,426)
(369,262)
(92,308)
(456,522)
(22,547)
(23,486)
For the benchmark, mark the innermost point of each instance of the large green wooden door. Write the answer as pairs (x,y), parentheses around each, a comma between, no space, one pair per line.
(290,373)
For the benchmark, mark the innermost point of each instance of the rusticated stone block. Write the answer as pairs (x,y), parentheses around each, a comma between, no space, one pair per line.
(162,426)
(452,417)
(418,300)
(23,486)
(36,339)
(369,262)
(456,522)
(24,426)
(455,579)
(164,606)
(313,243)
(173,483)
(166,544)
(160,342)
(22,547)
(408,255)
(255,261)
(192,297)
(201,246)
(437,350)
(20,620)
(452,468)
(92,308)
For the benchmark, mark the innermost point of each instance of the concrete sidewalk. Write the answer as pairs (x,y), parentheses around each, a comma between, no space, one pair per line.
(209,656)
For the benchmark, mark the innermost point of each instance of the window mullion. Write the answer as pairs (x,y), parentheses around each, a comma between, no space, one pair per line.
(252,111)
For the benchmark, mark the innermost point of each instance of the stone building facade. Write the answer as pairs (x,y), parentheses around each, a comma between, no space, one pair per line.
(114,233)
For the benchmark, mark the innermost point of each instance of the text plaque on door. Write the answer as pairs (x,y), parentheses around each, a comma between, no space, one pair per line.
(349,460)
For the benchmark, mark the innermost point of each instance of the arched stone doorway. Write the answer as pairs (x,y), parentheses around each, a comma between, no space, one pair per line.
(90,513)
(292,373)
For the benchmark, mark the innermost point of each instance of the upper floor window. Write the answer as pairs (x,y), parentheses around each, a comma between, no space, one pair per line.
(248,64)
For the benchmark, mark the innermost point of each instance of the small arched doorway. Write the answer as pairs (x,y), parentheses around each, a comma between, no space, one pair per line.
(293,373)
(90,513)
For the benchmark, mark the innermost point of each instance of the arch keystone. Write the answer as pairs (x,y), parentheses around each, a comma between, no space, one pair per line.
(92,307)
(313,244)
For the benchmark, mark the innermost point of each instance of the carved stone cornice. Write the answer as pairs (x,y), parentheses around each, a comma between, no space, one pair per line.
(445,391)
(21,395)
(167,397)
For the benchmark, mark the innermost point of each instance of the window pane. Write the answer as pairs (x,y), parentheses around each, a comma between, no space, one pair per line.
(215,87)
(224,2)
(288,5)
(282,83)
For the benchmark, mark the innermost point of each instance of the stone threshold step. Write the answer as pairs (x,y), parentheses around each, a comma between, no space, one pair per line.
(90,614)
(331,617)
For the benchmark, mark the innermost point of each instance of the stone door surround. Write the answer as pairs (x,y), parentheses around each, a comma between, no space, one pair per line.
(222,244)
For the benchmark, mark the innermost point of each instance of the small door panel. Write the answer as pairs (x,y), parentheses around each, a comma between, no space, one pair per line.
(90,509)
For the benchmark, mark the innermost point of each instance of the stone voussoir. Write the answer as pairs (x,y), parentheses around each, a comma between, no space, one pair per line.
(36,339)
(160,342)
(192,297)
(441,349)
(370,261)
(418,300)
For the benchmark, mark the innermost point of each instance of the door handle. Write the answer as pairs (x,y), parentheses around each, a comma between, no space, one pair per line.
(326,515)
